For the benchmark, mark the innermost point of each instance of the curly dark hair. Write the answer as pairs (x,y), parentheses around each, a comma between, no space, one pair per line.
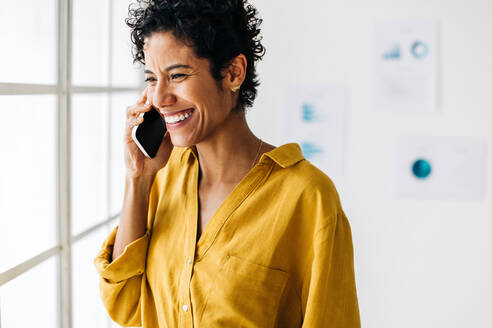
(217,30)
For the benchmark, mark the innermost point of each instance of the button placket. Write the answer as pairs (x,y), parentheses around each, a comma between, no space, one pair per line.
(188,270)
(190,249)
(186,301)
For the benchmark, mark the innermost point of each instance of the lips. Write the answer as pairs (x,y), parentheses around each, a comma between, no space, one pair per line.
(178,112)
(177,120)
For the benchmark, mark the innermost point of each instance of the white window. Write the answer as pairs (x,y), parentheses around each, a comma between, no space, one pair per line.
(66,78)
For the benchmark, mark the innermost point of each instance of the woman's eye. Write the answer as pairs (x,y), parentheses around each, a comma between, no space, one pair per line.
(150,79)
(177,76)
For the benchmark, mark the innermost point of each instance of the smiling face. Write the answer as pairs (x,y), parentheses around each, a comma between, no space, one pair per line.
(182,89)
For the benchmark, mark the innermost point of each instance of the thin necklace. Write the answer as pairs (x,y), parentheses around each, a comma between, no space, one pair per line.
(257,153)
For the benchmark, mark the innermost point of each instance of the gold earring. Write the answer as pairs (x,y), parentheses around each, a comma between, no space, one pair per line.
(236,88)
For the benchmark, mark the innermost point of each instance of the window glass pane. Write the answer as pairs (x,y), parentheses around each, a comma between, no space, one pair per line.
(124,72)
(28,52)
(27,177)
(88,309)
(30,300)
(89,160)
(119,103)
(90,42)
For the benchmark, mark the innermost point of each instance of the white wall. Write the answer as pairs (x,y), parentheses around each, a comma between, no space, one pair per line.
(418,263)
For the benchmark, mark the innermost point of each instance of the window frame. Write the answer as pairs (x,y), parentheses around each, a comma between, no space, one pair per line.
(63,90)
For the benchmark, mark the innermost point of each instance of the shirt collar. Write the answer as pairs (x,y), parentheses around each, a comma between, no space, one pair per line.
(190,150)
(285,155)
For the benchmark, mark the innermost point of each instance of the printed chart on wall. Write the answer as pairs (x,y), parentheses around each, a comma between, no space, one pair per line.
(315,119)
(405,66)
(440,168)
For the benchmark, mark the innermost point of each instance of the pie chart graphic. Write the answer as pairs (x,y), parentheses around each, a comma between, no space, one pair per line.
(420,49)
(421,168)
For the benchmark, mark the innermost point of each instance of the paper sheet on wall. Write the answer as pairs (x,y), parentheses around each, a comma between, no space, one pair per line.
(440,168)
(315,119)
(405,66)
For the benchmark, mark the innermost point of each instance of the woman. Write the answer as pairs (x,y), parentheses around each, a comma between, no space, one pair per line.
(220,229)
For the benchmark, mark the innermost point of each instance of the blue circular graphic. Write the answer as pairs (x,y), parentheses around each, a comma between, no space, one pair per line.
(421,168)
(420,49)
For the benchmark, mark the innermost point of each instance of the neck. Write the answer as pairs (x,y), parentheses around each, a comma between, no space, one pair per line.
(227,155)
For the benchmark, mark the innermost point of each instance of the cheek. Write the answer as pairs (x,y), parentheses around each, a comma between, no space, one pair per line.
(150,93)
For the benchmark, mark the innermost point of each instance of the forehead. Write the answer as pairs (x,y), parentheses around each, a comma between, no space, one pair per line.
(163,48)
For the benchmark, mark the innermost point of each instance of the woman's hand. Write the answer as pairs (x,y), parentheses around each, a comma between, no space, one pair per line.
(137,165)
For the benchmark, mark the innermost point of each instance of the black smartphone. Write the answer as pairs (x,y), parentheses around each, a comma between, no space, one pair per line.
(148,134)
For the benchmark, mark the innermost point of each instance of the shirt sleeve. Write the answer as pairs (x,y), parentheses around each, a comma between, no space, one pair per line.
(329,291)
(120,280)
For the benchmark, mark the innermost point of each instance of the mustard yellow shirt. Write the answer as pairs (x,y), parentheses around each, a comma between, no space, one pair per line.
(277,252)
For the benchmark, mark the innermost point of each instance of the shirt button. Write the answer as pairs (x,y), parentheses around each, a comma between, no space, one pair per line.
(188,261)
(185,308)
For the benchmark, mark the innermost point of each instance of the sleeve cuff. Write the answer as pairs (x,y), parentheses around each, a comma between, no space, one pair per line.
(129,264)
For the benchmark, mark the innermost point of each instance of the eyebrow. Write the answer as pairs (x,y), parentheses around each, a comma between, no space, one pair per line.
(169,68)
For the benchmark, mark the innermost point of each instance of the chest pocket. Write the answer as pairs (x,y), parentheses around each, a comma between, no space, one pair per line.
(244,294)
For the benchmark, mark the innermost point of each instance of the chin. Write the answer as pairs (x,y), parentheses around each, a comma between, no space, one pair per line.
(179,141)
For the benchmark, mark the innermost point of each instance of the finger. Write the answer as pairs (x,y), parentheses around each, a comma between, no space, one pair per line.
(136,110)
(134,122)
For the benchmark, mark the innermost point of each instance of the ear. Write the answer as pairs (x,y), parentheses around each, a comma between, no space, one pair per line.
(235,73)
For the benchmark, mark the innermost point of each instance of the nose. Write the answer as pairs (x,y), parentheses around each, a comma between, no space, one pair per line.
(163,96)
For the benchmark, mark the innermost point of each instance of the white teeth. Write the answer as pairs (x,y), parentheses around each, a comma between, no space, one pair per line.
(177,118)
